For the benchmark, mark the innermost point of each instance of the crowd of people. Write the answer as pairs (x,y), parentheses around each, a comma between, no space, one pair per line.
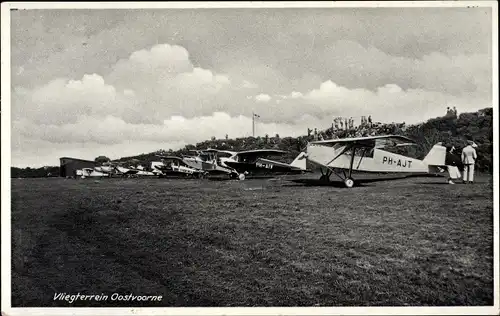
(451,111)
(345,128)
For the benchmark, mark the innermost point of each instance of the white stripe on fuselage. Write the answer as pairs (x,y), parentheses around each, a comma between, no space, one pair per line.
(381,161)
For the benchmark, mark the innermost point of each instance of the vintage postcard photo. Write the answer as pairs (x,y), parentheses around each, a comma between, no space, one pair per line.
(250,158)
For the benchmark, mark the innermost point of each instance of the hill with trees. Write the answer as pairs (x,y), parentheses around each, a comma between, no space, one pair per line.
(451,130)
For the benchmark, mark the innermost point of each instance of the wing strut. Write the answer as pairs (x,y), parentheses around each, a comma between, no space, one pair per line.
(346,148)
(362,156)
(352,161)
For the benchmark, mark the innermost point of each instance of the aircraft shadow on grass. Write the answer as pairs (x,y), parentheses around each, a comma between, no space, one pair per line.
(358,183)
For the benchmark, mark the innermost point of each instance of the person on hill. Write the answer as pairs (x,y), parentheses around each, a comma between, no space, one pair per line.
(469,157)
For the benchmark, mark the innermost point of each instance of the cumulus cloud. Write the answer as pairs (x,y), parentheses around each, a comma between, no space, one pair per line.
(112,130)
(458,74)
(249,85)
(387,103)
(295,95)
(63,100)
(263,98)
(156,64)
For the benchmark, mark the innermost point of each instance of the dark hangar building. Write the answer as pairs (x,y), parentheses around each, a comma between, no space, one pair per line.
(68,166)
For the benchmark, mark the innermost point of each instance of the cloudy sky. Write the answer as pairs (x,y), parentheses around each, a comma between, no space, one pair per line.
(122,82)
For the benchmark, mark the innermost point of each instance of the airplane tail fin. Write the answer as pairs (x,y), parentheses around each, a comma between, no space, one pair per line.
(300,161)
(436,156)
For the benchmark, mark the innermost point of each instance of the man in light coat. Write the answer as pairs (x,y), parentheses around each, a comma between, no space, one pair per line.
(469,157)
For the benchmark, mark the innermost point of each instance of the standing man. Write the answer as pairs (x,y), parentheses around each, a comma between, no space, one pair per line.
(469,157)
(453,162)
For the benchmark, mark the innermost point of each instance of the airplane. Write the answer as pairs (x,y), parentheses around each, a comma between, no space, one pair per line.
(369,154)
(176,166)
(204,159)
(242,163)
(105,169)
(109,171)
(90,172)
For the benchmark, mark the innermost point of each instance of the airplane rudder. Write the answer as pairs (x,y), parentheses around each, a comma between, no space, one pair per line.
(436,156)
(299,161)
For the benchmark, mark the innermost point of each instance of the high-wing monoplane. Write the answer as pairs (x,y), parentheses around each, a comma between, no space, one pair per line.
(370,154)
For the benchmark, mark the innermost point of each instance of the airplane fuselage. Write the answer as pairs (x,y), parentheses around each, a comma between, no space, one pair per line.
(260,167)
(378,161)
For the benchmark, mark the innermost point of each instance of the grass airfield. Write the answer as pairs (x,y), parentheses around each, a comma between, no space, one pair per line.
(261,242)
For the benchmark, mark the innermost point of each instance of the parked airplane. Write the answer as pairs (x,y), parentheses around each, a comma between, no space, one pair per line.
(90,172)
(106,169)
(131,171)
(366,154)
(176,166)
(252,161)
(204,159)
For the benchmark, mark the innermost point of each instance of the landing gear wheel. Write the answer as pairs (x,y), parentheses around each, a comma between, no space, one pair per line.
(241,176)
(349,182)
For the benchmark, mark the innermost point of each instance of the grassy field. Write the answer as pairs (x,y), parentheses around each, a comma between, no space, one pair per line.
(253,243)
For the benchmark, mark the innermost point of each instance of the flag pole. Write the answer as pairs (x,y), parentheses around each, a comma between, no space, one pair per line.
(253,124)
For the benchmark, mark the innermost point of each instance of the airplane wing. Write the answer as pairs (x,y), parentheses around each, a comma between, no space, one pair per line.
(170,157)
(251,155)
(405,144)
(218,171)
(211,150)
(262,152)
(370,141)
(269,164)
(126,170)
